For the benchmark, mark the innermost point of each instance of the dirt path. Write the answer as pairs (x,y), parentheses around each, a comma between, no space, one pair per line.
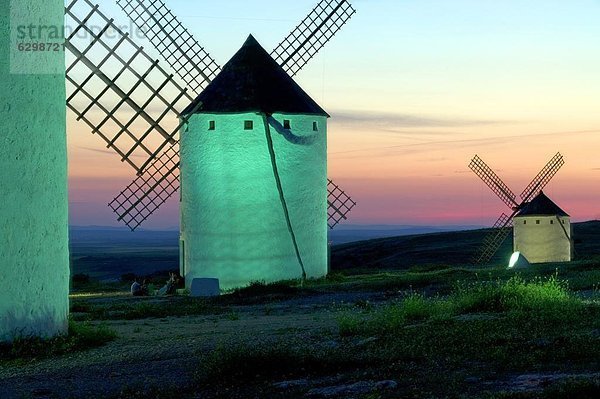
(152,352)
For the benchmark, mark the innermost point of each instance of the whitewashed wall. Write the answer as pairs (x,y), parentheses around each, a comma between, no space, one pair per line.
(34,258)
(543,242)
(232,222)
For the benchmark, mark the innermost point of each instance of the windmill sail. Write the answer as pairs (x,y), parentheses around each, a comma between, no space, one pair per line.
(492,180)
(543,178)
(187,58)
(501,228)
(339,204)
(153,187)
(494,239)
(108,93)
(311,35)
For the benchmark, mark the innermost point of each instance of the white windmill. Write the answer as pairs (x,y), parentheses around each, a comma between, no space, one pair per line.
(255,198)
(541,230)
(34,253)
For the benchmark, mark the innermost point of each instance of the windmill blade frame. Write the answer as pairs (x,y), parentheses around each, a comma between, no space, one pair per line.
(312,34)
(339,204)
(494,239)
(149,191)
(187,58)
(491,179)
(543,178)
(138,201)
(136,146)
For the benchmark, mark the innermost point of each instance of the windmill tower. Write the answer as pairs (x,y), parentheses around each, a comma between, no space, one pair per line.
(254,161)
(542,231)
(247,150)
(34,255)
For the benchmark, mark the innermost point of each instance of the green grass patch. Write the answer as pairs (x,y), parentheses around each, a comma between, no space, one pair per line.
(582,275)
(538,298)
(81,336)
(544,295)
(511,325)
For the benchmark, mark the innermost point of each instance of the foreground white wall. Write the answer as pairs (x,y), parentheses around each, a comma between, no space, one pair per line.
(34,258)
(232,223)
(543,238)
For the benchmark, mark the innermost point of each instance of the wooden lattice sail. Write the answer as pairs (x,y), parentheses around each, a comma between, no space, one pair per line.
(128,99)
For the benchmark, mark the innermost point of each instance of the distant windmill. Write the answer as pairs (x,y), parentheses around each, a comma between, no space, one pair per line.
(532,203)
(121,84)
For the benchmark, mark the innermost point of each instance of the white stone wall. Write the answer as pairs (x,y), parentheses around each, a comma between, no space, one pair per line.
(232,222)
(542,238)
(34,257)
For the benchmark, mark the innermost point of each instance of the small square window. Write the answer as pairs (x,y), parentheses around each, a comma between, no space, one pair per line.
(212,125)
(537,222)
(287,124)
(248,125)
(315,126)
(551,221)
(524,221)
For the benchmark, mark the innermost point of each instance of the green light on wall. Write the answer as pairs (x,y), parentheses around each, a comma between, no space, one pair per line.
(34,268)
(232,222)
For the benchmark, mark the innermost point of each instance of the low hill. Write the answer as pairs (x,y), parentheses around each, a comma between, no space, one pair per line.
(106,254)
(454,248)
(346,233)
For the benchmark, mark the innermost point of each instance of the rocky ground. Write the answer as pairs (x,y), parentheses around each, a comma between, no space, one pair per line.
(159,352)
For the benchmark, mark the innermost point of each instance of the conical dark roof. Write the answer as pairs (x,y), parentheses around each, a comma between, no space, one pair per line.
(253,82)
(541,206)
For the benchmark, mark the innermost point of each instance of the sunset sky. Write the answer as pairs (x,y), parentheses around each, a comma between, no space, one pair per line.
(415,88)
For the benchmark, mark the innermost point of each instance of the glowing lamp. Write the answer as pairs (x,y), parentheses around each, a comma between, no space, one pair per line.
(517,261)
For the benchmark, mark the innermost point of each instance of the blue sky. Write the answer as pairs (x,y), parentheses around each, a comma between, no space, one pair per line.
(416,88)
